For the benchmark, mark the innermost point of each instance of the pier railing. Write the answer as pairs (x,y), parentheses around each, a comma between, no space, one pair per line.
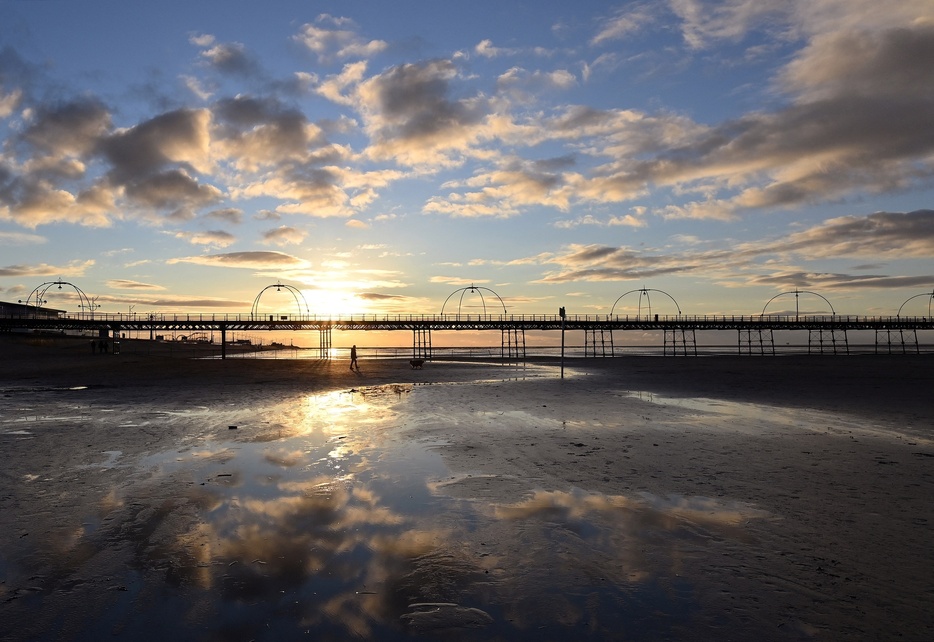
(106,318)
(437,322)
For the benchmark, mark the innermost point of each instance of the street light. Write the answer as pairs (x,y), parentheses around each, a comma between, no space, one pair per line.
(563,315)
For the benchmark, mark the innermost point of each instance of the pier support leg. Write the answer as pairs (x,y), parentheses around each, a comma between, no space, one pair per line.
(324,343)
(421,343)
(223,342)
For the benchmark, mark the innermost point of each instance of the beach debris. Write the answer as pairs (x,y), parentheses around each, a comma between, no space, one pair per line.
(231,427)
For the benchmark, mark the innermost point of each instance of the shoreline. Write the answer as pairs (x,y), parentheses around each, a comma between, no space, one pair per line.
(896,386)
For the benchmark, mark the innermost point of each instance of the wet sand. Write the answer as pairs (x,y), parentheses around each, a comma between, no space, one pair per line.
(639,498)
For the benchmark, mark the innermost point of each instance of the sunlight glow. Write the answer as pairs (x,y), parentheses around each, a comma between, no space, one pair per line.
(335,299)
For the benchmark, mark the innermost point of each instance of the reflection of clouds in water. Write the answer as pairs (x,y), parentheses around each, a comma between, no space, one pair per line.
(334,545)
(216,456)
(284,457)
(672,510)
(704,510)
(636,544)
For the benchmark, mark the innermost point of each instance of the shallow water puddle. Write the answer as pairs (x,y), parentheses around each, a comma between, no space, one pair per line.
(753,418)
(318,518)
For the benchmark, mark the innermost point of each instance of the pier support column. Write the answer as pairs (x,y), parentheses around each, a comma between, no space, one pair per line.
(597,347)
(223,342)
(513,343)
(324,342)
(421,343)
(687,342)
(756,340)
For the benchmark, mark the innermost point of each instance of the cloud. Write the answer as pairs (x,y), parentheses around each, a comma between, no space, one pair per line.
(377,296)
(336,43)
(157,162)
(504,191)
(67,129)
(280,154)
(179,137)
(9,101)
(74,268)
(21,238)
(198,87)
(202,40)
(894,63)
(257,133)
(627,220)
(283,235)
(151,168)
(57,141)
(456,280)
(835,281)
(903,236)
(173,303)
(882,234)
(411,118)
(31,201)
(231,215)
(231,58)
(625,136)
(854,128)
(172,189)
(252,260)
(218,238)
(126,284)
(523,85)
(486,49)
(626,22)
(706,21)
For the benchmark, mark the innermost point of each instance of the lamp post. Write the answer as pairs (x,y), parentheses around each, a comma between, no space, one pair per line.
(562,314)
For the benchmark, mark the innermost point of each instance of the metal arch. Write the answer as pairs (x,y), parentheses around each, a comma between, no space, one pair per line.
(295,292)
(645,292)
(472,288)
(796,293)
(927,294)
(84,303)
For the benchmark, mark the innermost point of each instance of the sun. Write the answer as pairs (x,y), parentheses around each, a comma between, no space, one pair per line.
(334,299)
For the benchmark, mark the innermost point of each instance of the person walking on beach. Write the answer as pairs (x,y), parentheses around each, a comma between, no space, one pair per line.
(353,357)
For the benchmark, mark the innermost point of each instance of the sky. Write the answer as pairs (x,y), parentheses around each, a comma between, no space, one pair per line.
(381,157)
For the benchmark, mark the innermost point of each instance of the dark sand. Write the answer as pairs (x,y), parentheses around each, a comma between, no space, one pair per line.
(743,497)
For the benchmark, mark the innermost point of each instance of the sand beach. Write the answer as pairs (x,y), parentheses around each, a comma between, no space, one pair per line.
(155,495)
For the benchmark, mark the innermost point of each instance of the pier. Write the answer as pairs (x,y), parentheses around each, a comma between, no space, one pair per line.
(754,333)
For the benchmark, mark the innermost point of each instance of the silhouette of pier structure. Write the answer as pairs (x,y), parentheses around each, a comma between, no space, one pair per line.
(827,333)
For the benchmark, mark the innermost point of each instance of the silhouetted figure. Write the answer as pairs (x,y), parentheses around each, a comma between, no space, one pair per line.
(353,358)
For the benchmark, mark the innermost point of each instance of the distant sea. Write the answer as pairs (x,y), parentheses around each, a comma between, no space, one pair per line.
(577,351)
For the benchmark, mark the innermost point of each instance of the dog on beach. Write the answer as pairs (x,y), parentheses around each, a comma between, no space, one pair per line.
(417,364)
